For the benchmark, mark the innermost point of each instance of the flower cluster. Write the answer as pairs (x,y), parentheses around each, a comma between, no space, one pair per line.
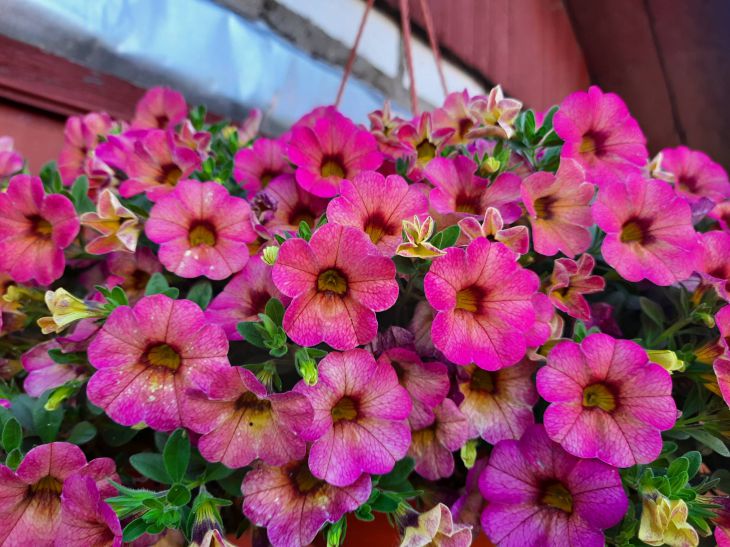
(482,320)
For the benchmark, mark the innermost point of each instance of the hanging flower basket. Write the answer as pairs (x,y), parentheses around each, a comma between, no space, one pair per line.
(480,322)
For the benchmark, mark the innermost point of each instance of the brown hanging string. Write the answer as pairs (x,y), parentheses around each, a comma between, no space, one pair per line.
(353,53)
(405,20)
(434,43)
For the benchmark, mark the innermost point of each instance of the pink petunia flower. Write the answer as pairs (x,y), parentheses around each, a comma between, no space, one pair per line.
(539,495)
(35,228)
(435,527)
(496,115)
(483,300)
(86,519)
(600,134)
(243,298)
(202,230)
(608,400)
(557,206)
(160,108)
(119,227)
(468,507)
(517,238)
(30,498)
(377,205)
(10,161)
(721,367)
(722,320)
(721,213)
(332,150)
(360,418)
(426,383)
(569,281)
(460,193)
(715,268)
(43,372)
(695,175)
(81,136)
(240,422)
(337,281)
(649,233)
(384,127)
(457,115)
(283,205)
(152,161)
(148,355)
(293,505)
(254,168)
(432,445)
(498,404)
(421,143)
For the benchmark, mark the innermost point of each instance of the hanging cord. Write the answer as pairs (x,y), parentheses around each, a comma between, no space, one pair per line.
(405,19)
(353,53)
(434,43)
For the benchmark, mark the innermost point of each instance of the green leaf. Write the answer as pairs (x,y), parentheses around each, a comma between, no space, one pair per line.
(449,236)
(680,465)
(365,513)
(251,333)
(662,484)
(178,495)
(652,310)
(176,454)
(678,481)
(14,458)
(66,358)
(529,124)
(172,292)
(275,310)
(385,502)
(152,466)
(82,433)
(157,284)
(695,460)
(47,423)
(80,195)
(305,232)
(217,471)
(201,293)
(116,435)
(710,441)
(400,472)
(12,435)
(51,178)
(133,530)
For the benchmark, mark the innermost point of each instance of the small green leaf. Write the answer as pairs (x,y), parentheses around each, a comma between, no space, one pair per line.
(400,472)
(12,435)
(172,292)
(157,284)
(680,465)
(529,124)
(66,358)
(178,495)
(251,333)
(82,433)
(176,454)
(448,238)
(201,293)
(365,513)
(678,481)
(47,423)
(710,441)
(305,232)
(133,530)
(14,458)
(51,178)
(152,466)
(385,502)
(652,310)
(275,310)
(80,195)
(695,460)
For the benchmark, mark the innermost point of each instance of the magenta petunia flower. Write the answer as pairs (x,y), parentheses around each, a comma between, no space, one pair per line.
(569,281)
(81,136)
(558,209)
(498,404)
(608,400)
(255,167)
(722,320)
(426,383)
(240,422)
(10,161)
(337,281)
(86,519)
(243,298)
(148,355)
(160,108)
(30,498)
(458,116)
(35,228)
(721,213)
(377,205)
(460,193)
(539,495)
(432,445)
(715,268)
(283,205)
(43,372)
(600,134)
(152,161)
(695,175)
(649,233)
(332,150)
(202,230)
(360,418)
(483,303)
(293,505)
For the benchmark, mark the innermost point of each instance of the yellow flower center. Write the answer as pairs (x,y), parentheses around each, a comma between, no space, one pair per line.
(332,167)
(162,355)
(47,485)
(345,409)
(257,412)
(599,396)
(375,228)
(304,480)
(202,234)
(635,231)
(170,174)
(468,299)
(587,144)
(556,495)
(332,282)
(425,151)
(543,207)
(40,226)
(483,380)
